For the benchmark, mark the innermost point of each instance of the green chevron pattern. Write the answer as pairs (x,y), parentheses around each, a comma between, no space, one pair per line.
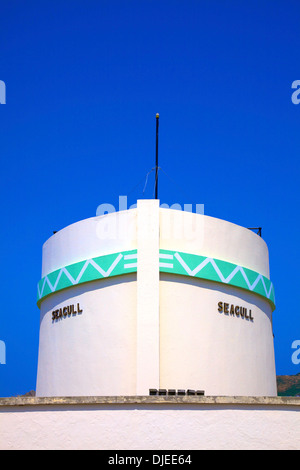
(216,270)
(173,262)
(88,270)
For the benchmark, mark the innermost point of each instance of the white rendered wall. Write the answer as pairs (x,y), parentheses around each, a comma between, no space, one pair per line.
(150,330)
(201,348)
(156,426)
(207,236)
(88,238)
(93,353)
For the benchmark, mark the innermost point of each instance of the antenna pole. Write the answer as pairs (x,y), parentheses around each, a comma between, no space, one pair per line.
(156,165)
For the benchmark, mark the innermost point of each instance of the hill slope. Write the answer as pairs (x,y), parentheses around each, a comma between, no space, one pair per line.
(288,385)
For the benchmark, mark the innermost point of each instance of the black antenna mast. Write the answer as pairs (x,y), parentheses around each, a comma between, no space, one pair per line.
(156,165)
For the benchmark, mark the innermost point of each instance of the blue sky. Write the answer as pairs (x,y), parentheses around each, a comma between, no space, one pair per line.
(84,80)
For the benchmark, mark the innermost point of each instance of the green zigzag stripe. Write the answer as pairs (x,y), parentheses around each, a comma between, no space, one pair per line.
(87,270)
(216,270)
(173,262)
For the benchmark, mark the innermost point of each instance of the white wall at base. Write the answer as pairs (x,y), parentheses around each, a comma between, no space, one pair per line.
(150,426)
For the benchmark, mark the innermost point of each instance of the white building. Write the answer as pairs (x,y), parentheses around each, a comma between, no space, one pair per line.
(153,298)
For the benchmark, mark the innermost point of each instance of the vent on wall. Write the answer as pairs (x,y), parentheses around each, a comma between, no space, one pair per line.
(173,392)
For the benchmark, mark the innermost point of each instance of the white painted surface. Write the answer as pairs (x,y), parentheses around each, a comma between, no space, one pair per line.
(93,353)
(207,236)
(201,348)
(89,238)
(148,329)
(156,332)
(156,427)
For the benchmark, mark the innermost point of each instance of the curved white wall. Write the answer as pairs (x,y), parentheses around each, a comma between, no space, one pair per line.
(89,238)
(204,235)
(204,349)
(150,329)
(201,348)
(93,352)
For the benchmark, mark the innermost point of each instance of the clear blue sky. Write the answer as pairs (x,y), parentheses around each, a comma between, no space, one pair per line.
(84,80)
